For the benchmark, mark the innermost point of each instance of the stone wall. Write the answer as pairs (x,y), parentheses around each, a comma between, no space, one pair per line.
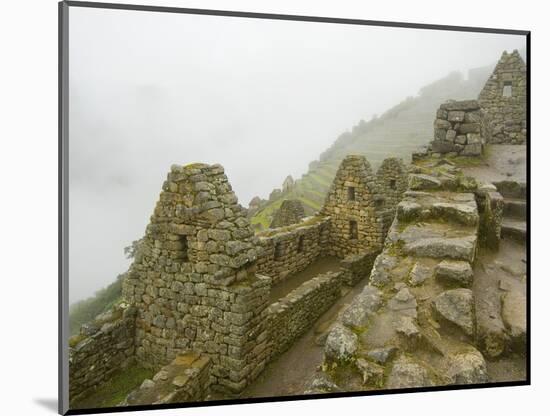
(290,212)
(194,281)
(354,203)
(491,207)
(185,379)
(503,100)
(356,267)
(292,315)
(103,347)
(287,251)
(457,129)
(392,180)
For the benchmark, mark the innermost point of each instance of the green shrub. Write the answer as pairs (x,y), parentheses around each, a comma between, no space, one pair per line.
(85,310)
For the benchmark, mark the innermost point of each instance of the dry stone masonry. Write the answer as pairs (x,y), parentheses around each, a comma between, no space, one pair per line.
(185,379)
(498,116)
(103,347)
(357,207)
(414,323)
(292,315)
(287,251)
(196,299)
(503,100)
(392,181)
(194,281)
(457,128)
(290,212)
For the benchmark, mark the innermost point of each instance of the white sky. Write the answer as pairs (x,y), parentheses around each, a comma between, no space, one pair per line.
(261,97)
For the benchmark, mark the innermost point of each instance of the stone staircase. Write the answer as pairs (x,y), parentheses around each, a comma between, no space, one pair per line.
(419,303)
(514,221)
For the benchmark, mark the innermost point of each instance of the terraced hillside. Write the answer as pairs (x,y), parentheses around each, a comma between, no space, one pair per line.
(398,132)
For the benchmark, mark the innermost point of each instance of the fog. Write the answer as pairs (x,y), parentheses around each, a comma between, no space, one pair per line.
(261,97)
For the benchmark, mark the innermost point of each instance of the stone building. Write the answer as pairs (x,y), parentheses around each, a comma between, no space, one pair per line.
(392,182)
(290,212)
(354,203)
(503,101)
(194,282)
(288,183)
(198,294)
(498,116)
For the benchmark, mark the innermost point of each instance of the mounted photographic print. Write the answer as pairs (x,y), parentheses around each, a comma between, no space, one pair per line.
(264,207)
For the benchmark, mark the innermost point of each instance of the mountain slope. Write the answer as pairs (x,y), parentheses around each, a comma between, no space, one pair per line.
(398,132)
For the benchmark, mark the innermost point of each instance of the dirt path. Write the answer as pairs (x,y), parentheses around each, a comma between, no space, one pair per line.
(496,273)
(288,374)
(503,162)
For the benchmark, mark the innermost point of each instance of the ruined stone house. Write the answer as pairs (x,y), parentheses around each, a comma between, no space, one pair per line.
(503,101)
(201,281)
(498,116)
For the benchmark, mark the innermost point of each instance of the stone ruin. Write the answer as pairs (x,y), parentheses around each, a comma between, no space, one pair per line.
(498,116)
(457,129)
(503,100)
(290,212)
(194,282)
(421,320)
(358,202)
(196,300)
(288,184)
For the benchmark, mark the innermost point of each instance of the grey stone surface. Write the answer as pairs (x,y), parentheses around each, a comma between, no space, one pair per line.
(456,306)
(382,355)
(362,307)
(406,373)
(404,302)
(455,272)
(419,274)
(468,368)
(421,181)
(514,315)
(341,344)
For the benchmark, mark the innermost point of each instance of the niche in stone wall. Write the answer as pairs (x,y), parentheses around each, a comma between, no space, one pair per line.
(353,234)
(507,89)
(182,251)
(300,244)
(351,193)
(393,184)
(279,251)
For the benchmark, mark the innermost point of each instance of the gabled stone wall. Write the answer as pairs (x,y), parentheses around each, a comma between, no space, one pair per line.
(290,212)
(354,203)
(392,180)
(194,280)
(201,280)
(503,100)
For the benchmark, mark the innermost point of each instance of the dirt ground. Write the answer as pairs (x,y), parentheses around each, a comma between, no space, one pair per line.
(496,273)
(502,162)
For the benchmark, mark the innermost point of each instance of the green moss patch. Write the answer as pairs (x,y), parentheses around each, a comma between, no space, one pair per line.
(115,390)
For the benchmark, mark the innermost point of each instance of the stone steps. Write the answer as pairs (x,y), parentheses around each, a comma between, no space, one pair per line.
(460,208)
(514,229)
(515,208)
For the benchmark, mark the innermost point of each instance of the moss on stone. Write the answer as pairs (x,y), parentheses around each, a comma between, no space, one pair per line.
(76,339)
(115,390)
